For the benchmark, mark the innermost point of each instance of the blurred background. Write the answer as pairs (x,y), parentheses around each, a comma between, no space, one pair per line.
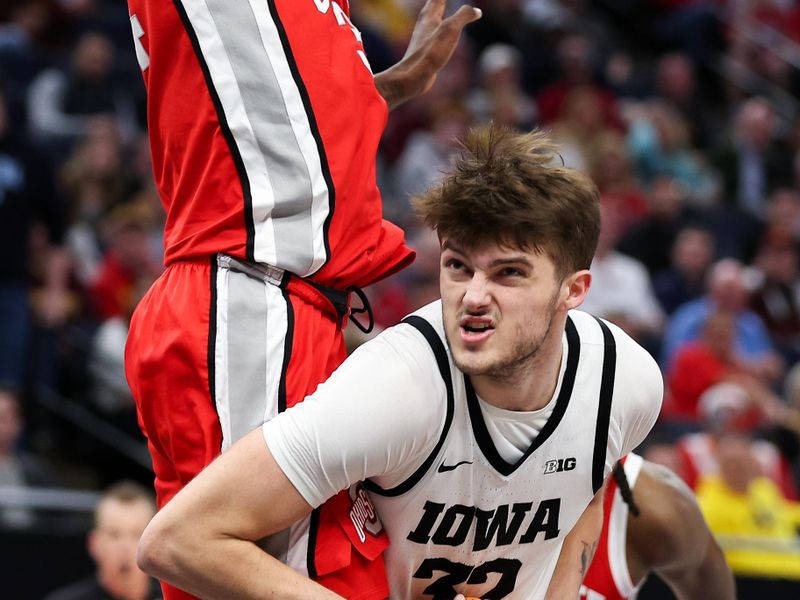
(685,112)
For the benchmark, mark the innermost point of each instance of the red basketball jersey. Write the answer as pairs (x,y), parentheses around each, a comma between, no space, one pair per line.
(608,577)
(264,122)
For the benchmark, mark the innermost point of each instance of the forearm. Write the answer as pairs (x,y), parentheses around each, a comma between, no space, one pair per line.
(711,579)
(229,569)
(205,539)
(577,552)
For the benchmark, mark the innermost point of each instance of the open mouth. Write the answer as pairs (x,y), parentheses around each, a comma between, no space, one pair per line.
(475,329)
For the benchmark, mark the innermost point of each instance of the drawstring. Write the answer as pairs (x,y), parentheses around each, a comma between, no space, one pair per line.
(625,488)
(365,308)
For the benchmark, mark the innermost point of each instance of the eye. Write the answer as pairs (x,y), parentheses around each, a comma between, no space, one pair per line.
(510,272)
(454,264)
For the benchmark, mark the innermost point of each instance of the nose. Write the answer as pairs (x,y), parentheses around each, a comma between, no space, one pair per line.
(476,296)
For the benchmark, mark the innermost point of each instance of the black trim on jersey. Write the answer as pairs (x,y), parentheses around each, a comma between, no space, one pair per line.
(435,342)
(226,132)
(604,407)
(312,123)
(313,527)
(481,432)
(212,335)
(288,342)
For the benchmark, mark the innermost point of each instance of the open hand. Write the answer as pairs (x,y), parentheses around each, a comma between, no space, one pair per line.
(432,43)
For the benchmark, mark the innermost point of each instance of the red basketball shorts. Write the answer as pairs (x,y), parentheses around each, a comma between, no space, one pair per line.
(215,349)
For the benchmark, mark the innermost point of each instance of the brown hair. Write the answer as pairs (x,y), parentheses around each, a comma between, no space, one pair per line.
(126,492)
(505,188)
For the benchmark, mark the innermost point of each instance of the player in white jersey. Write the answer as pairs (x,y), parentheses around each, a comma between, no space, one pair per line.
(484,424)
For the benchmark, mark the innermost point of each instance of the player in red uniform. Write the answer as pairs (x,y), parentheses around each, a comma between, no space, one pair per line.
(264,120)
(652,524)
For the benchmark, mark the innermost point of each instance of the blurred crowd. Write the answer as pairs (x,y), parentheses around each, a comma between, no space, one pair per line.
(686,113)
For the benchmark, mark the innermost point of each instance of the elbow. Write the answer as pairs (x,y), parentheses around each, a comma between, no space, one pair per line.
(161,549)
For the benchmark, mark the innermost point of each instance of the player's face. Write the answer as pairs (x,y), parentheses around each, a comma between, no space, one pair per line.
(115,538)
(499,306)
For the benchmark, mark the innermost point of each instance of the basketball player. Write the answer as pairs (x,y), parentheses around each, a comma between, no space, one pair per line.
(485,423)
(264,120)
(652,524)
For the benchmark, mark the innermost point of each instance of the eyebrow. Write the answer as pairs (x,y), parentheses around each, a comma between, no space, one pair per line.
(511,260)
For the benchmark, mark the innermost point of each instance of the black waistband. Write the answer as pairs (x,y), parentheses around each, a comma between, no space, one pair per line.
(341,302)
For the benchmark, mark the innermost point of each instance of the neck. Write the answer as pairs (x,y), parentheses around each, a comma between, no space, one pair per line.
(529,385)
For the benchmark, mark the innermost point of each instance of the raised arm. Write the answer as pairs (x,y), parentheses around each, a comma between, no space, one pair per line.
(577,552)
(204,539)
(686,556)
(432,43)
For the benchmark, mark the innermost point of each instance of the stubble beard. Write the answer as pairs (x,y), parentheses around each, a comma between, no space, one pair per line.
(526,351)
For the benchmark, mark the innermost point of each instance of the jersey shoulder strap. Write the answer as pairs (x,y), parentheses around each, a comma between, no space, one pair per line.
(443,362)
(604,407)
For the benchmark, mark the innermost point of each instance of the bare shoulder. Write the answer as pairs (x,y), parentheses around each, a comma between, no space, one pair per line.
(670,517)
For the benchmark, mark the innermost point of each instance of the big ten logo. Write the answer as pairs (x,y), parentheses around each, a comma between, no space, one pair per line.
(560,464)
(362,513)
(342,19)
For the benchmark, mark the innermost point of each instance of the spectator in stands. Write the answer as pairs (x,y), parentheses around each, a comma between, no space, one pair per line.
(706,362)
(96,178)
(690,26)
(123,512)
(691,256)
(676,84)
(726,292)
(128,260)
(579,125)
(753,161)
(784,431)
(650,240)
(753,522)
(428,152)
(732,409)
(17,468)
(660,145)
(27,197)
(776,296)
(620,284)
(21,57)
(783,211)
(698,365)
(609,166)
(500,90)
(106,363)
(576,69)
(62,103)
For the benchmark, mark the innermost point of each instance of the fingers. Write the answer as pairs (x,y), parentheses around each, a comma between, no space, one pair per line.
(463,16)
(433,9)
(449,31)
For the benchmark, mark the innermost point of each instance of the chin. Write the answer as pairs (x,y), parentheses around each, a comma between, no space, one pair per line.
(470,364)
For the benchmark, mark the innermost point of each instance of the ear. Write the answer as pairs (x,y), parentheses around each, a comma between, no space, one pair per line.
(577,286)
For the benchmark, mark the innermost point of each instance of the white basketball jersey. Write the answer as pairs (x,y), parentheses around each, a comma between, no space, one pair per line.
(468,521)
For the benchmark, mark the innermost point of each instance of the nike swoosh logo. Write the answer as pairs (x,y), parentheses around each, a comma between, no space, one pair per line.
(443,468)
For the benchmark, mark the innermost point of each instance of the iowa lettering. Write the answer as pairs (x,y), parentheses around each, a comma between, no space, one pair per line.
(501,526)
